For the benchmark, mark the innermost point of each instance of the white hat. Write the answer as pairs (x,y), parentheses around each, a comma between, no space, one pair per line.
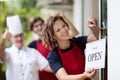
(14,25)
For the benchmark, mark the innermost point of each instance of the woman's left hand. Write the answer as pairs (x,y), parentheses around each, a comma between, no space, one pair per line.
(92,22)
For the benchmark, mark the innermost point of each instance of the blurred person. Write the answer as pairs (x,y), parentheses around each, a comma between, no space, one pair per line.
(36,25)
(67,58)
(22,63)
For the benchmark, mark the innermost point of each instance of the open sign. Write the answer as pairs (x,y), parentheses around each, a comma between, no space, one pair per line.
(95,54)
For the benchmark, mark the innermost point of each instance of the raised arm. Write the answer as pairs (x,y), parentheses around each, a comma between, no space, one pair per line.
(5,37)
(72,30)
(93,25)
(2,48)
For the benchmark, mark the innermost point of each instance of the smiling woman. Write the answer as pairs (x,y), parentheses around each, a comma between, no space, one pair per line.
(67,51)
(61,24)
(36,25)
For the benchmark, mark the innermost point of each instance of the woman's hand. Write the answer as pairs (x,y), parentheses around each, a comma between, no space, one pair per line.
(92,22)
(93,25)
(90,73)
(72,30)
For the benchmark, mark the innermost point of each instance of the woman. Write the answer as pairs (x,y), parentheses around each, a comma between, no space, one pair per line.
(36,25)
(67,58)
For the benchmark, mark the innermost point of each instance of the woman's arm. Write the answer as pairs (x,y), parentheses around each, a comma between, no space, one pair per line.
(72,30)
(48,69)
(93,25)
(61,74)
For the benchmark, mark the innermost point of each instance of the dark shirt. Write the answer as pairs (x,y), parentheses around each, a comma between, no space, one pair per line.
(33,44)
(54,58)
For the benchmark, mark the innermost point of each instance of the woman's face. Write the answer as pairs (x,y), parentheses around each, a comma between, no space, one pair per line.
(60,30)
(37,27)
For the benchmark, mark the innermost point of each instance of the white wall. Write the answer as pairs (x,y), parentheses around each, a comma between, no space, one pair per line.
(87,12)
(113,39)
(77,13)
(82,10)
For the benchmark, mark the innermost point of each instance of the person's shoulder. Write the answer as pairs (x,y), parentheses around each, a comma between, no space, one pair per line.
(53,52)
(8,49)
(78,37)
(32,44)
(80,41)
(30,49)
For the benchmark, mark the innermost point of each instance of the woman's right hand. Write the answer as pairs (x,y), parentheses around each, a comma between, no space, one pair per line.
(90,73)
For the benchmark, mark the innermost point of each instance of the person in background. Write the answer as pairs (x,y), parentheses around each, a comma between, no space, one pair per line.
(22,63)
(67,59)
(36,25)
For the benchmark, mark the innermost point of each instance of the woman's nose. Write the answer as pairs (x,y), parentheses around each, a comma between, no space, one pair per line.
(63,29)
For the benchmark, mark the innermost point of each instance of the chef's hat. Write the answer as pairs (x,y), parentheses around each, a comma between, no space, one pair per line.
(14,25)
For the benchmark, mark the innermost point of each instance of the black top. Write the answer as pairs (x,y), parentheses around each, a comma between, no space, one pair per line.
(33,44)
(54,58)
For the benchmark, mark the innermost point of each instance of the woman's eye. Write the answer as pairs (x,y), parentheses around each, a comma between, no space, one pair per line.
(63,25)
(41,24)
(58,30)
(36,26)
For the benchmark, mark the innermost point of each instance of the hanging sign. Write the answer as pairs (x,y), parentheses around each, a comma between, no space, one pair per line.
(95,54)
